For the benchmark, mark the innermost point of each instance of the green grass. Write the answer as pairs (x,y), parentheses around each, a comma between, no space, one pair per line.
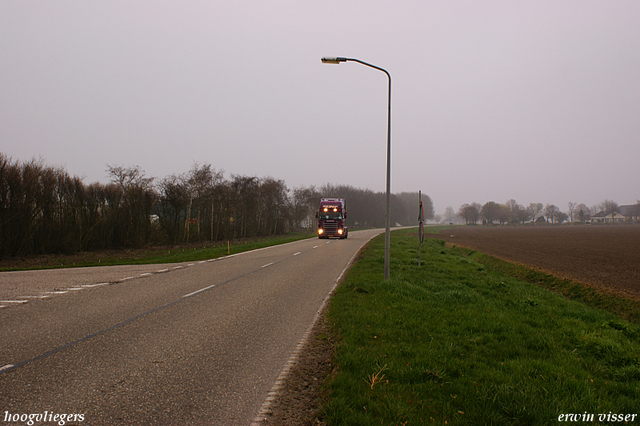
(457,342)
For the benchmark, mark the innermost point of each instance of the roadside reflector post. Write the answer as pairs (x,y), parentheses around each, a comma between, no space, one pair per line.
(420,227)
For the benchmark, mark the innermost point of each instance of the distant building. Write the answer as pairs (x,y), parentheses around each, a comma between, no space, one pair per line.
(631,212)
(628,213)
(613,217)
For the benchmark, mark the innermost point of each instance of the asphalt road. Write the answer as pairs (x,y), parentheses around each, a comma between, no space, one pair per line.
(200,344)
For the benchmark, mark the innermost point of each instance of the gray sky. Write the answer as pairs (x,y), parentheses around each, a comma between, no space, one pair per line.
(533,100)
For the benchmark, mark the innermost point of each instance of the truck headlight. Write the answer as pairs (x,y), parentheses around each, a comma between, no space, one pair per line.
(340,231)
(320,231)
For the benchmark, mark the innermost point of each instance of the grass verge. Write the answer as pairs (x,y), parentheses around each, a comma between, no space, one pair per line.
(458,342)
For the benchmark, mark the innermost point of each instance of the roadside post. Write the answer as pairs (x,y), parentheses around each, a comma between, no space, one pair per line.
(420,227)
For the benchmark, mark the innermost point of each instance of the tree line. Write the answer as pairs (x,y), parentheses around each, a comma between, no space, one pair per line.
(512,212)
(45,210)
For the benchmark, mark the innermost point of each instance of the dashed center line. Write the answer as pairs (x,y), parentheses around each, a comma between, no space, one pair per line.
(199,291)
(25,299)
(47,294)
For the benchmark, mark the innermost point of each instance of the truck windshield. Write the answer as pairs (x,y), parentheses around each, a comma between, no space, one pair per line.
(330,215)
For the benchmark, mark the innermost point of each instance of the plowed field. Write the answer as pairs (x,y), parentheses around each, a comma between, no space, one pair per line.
(603,256)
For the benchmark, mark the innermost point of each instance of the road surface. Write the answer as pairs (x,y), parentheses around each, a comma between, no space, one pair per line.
(192,344)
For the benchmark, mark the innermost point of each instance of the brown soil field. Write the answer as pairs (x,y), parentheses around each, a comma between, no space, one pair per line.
(607,257)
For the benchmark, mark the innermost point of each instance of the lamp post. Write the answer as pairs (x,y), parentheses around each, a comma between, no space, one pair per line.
(387,238)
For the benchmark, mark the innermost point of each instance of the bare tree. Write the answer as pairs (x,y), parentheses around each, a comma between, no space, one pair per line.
(304,203)
(561,216)
(470,213)
(201,185)
(551,212)
(490,211)
(608,206)
(409,201)
(244,199)
(572,209)
(44,210)
(582,212)
(449,214)
(517,212)
(521,214)
(504,214)
(273,206)
(172,205)
(137,203)
(535,211)
(512,205)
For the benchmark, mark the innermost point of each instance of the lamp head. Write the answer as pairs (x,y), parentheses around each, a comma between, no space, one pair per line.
(329,60)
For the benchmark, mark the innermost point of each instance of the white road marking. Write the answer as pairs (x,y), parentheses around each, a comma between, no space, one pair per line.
(199,291)
(6,366)
(93,285)
(265,410)
(47,294)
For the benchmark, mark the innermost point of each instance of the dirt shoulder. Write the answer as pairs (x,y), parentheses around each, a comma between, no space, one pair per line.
(299,401)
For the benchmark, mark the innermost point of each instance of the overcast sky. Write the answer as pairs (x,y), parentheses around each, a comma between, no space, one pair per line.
(538,101)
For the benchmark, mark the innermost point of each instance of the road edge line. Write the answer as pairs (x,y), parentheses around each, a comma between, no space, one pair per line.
(274,393)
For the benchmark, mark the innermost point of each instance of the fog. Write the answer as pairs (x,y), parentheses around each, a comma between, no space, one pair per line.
(536,101)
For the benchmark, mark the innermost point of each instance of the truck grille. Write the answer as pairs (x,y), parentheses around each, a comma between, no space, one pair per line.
(330,226)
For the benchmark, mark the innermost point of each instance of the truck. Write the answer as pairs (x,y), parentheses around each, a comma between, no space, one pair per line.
(332,218)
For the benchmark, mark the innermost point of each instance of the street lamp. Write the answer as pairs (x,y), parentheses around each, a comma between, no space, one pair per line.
(387,238)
